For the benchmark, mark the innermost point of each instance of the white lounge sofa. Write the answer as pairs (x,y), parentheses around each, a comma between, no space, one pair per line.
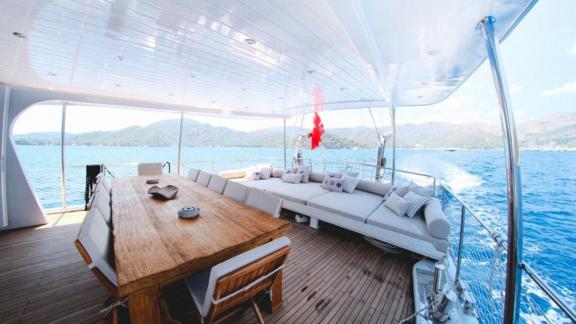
(361,211)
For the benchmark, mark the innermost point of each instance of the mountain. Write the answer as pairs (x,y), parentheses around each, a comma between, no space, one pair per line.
(551,132)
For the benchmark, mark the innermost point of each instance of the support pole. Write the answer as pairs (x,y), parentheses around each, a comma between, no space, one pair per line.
(62,158)
(393,121)
(4,139)
(514,260)
(285,161)
(179,162)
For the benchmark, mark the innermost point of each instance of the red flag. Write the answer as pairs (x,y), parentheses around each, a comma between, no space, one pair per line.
(318,130)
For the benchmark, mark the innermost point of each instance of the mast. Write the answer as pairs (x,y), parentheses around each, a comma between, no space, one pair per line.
(513,182)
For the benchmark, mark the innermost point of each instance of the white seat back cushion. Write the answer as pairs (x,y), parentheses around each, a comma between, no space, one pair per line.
(145,169)
(217,183)
(436,221)
(264,202)
(193,174)
(102,204)
(203,178)
(238,262)
(95,237)
(236,191)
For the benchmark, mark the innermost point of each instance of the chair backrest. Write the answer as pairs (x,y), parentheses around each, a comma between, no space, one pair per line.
(236,280)
(236,191)
(101,202)
(193,174)
(217,183)
(149,169)
(264,202)
(94,242)
(203,178)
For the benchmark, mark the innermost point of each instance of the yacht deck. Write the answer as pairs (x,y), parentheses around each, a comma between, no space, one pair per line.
(332,276)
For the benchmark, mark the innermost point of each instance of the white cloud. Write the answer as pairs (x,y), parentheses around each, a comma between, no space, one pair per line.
(567,88)
(515,88)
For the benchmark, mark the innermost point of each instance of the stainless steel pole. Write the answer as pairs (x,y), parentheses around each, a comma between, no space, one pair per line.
(393,121)
(4,139)
(179,166)
(62,158)
(460,245)
(512,154)
(285,161)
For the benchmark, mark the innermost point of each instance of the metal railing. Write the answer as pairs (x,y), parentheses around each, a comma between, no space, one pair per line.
(441,190)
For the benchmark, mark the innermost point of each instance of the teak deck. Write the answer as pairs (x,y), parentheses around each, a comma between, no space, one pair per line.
(330,277)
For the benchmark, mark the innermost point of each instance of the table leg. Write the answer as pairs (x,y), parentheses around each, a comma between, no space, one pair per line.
(276,291)
(144,306)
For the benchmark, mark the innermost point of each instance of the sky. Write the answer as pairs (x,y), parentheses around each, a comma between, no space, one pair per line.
(539,59)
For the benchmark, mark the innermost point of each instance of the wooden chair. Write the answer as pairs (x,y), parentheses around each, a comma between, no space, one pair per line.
(94,242)
(264,202)
(218,291)
(149,169)
(236,191)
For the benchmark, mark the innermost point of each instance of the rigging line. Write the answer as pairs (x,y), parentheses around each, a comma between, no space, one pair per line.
(374,121)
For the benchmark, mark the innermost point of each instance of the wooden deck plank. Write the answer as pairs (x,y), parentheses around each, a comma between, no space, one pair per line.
(330,276)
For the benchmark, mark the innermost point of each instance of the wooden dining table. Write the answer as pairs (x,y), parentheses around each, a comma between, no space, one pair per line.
(153,247)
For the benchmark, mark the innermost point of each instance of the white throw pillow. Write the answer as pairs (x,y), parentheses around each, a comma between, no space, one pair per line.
(418,202)
(277,173)
(253,173)
(397,204)
(350,183)
(292,178)
(332,184)
(265,170)
(305,171)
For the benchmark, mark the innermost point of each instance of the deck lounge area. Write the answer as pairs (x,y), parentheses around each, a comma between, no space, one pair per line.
(331,276)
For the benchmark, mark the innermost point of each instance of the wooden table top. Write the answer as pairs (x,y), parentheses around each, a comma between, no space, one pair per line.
(153,246)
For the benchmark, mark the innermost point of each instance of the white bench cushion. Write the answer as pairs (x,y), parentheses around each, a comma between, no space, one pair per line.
(357,205)
(263,184)
(299,193)
(236,190)
(203,178)
(414,227)
(217,183)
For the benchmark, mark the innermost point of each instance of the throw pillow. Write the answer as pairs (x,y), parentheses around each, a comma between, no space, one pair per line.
(350,183)
(332,184)
(277,173)
(305,171)
(292,178)
(265,170)
(397,204)
(253,173)
(402,190)
(418,202)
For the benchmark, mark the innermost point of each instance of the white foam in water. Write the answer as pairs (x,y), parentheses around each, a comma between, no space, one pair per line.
(458,179)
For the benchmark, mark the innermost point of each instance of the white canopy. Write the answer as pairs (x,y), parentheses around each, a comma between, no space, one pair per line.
(261,57)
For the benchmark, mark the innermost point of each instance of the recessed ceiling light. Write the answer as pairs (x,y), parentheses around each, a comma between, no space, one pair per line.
(249,41)
(117,85)
(19,35)
(243,88)
(310,71)
(433,52)
(120,58)
(424,83)
(280,98)
(52,74)
(245,107)
(420,96)
(171,94)
(213,101)
(343,89)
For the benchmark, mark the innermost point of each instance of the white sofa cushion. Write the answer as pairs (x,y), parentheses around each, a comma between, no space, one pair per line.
(294,178)
(397,204)
(414,227)
(204,178)
(436,221)
(357,205)
(317,176)
(236,190)
(263,184)
(374,187)
(233,174)
(299,193)
(264,202)
(217,183)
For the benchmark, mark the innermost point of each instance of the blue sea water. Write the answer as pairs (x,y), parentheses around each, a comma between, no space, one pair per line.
(549,187)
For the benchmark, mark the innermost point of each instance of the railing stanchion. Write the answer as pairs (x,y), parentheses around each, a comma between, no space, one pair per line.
(460,244)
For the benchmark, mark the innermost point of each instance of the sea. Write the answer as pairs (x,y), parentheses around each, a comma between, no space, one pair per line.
(476,176)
